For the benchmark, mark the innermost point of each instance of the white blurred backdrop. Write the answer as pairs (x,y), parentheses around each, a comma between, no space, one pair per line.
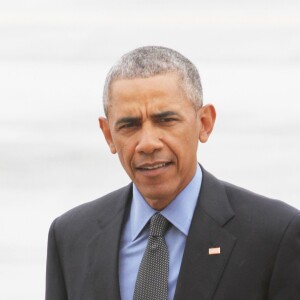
(54,56)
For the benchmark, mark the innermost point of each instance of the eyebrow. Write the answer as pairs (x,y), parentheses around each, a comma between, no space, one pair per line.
(135,120)
(127,120)
(164,114)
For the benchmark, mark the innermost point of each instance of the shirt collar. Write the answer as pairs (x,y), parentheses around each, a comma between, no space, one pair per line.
(179,212)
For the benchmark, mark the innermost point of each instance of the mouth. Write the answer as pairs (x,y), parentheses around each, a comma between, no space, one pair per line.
(149,167)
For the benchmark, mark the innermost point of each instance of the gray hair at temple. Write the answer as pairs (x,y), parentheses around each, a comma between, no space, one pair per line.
(150,61)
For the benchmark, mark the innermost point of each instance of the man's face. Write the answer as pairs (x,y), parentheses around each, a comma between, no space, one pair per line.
(155,130)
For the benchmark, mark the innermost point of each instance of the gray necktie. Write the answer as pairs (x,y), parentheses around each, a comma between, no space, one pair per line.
(152,279)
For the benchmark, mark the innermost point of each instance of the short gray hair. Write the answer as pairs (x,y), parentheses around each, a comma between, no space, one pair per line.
(150,61)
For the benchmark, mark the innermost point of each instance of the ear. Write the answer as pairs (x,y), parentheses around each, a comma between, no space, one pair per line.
(104,125)
(207,116)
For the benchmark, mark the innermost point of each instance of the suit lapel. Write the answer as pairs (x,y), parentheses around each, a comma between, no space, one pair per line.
(103,251)
(201,272)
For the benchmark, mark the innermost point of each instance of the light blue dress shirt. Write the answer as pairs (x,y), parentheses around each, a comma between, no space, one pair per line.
(135,235)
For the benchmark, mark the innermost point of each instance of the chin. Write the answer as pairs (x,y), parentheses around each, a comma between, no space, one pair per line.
(156,195)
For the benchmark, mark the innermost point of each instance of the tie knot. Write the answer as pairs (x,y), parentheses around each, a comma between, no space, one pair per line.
(158,225)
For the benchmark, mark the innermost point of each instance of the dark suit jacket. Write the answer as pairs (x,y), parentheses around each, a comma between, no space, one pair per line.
(259,240)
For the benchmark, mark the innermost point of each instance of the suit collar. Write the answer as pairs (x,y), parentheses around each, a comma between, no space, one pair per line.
(201,272)
(103,248)
(213,199)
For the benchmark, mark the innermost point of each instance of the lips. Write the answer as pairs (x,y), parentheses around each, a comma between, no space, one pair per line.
(153,166)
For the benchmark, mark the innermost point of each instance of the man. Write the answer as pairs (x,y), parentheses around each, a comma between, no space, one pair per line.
(176,232)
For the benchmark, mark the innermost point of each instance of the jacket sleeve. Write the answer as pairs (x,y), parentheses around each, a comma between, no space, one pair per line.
(285,280)
(55,283)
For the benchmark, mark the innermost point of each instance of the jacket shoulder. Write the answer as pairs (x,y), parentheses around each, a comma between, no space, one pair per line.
(257,213)
(88,214)
(241,198)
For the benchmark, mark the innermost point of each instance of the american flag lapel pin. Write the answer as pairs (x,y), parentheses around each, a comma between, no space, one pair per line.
(214,251)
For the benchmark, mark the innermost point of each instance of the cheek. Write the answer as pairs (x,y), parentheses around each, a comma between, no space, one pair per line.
(186,146)
(192,135)
(186,139)
(125,153)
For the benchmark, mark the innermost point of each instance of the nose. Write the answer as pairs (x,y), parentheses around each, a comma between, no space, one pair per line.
(149,140)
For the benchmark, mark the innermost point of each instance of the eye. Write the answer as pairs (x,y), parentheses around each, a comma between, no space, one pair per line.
(167,120)
(128,125)
(166,117)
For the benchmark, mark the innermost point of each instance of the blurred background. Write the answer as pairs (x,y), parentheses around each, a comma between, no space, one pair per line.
(54,56)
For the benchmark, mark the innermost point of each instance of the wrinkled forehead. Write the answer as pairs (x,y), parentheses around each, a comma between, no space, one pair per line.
(160,91)
(147,97)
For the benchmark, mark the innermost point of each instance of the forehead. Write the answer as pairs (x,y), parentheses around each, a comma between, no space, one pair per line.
(157,91)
